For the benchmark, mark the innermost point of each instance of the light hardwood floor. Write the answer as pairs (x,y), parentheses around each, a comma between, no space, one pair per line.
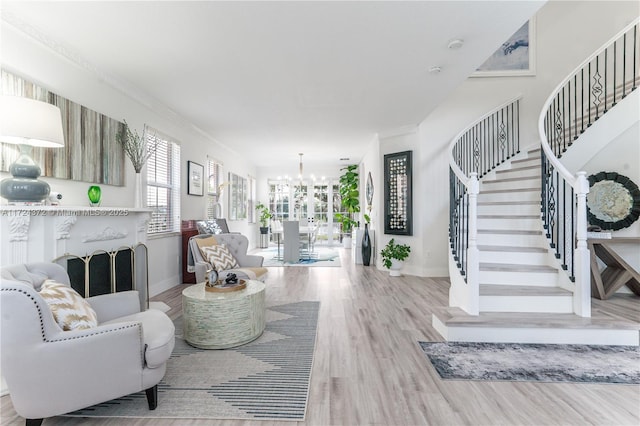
(369,370)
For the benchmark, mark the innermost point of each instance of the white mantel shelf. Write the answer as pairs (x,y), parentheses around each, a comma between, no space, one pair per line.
(44,233)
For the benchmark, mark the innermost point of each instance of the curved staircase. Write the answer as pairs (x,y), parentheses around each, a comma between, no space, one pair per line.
(523,294)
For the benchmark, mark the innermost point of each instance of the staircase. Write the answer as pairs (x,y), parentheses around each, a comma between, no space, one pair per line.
(519,263)
(523,295)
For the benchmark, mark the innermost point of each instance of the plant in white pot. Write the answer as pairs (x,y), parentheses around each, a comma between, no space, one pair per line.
(393,257)
(265,215)
(350,200)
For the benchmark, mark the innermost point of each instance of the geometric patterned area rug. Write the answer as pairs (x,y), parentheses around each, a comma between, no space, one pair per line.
(267,379)
(322,256)
(534,362)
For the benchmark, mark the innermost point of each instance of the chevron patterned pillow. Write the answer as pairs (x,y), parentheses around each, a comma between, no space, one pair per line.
(220,257)
(69,309)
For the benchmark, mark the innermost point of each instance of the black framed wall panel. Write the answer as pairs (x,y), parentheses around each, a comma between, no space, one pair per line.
(398,203)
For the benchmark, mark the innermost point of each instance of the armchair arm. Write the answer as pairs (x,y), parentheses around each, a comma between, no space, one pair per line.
(251,260)
(115,305)
(200,269)
(75,369)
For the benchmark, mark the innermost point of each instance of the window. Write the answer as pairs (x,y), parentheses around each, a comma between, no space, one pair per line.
(163,184)
(279,200)
(214,189)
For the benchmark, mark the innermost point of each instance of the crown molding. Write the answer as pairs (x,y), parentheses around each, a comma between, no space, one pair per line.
(121,85)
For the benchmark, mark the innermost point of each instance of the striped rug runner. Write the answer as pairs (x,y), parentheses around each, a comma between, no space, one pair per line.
(266,379)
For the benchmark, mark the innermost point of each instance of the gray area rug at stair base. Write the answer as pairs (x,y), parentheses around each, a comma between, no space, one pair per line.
(534,362)
(266,379)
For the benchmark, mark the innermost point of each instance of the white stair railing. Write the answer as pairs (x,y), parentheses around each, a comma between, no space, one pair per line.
(593,88)
(474,152)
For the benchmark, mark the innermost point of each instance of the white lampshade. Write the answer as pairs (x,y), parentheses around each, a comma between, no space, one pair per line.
(30,122)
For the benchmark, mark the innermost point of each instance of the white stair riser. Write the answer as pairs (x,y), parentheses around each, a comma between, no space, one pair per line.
(510,196)
(520,258)
(511,240)
(548,304)
(526,162)
(515,184)
(515,209)
(518,172)
(542,279)
(538,335)
(516,224)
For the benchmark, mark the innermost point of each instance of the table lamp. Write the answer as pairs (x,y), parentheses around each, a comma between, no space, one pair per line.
(28,123)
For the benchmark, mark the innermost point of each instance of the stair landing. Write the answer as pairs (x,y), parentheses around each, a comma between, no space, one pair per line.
(456,325)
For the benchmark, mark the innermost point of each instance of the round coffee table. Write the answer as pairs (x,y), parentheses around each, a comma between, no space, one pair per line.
(223,320)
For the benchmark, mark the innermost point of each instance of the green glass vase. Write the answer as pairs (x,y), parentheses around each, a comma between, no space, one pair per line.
(94,194)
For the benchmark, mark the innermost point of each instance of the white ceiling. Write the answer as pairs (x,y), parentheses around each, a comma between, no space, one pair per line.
(272,79)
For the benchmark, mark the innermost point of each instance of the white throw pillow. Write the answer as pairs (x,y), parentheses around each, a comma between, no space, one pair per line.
(220,257)
(69,309)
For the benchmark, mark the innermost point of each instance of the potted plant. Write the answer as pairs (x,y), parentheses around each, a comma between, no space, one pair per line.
(350,200)
(265,215)
(393,256)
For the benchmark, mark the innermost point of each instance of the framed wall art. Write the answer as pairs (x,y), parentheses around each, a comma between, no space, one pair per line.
(196,178)
(516,56)
(398,194)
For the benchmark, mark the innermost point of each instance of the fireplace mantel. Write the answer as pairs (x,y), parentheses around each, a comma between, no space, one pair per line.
(44,233)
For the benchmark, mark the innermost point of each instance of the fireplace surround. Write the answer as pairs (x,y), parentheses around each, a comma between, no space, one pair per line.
(104,247)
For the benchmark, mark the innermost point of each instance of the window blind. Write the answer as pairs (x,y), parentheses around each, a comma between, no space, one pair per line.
(163,184)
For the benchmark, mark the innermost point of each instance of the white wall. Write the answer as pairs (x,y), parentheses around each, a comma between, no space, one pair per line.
(30,59)
(567,33)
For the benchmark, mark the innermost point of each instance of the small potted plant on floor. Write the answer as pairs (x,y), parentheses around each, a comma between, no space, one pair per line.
(265,215)
(393,256)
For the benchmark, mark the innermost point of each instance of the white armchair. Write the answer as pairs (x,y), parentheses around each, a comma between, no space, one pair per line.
(250,266)
(50,372)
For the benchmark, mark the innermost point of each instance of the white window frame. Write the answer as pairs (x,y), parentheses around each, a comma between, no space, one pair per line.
(168,221)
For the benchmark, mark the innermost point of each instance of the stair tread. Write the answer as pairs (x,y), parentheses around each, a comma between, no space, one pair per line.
(508,232)
(498,191)
(534,158)
(515,179)
(512,249)
(521,290)
(456,317)
(508,203)
(518,169)
(508,216)
(516,267)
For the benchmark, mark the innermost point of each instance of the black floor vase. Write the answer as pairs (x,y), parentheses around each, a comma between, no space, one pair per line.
(366,246)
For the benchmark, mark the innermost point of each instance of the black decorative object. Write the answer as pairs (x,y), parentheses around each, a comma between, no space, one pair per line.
(366,246)
(613,201)
(397,194)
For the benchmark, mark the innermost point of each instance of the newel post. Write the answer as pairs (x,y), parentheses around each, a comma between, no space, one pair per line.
(473,255)
(582,293)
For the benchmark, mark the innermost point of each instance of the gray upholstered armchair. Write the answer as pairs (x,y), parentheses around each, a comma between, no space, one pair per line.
(50,371)
(249,266)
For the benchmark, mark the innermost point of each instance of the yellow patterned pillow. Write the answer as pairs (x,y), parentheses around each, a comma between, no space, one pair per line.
(220,257)
(69,309)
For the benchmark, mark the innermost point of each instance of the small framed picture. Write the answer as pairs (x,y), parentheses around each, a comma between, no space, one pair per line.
(516,56)
(195,178)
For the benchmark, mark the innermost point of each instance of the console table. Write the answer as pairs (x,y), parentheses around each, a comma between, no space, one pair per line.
(616,273)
